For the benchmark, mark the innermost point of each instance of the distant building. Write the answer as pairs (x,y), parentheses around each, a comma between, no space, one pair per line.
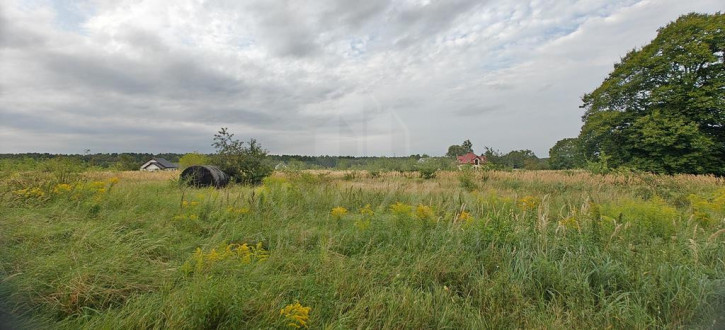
(472,159)
(159,164)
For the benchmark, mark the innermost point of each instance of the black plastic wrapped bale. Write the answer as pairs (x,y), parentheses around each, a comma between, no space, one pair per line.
(204,176)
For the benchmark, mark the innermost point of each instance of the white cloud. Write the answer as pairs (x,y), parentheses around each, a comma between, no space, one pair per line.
(327,77)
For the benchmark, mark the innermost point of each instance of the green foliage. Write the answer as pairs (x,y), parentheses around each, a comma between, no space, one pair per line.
(428,168)
(427,172)
(601,166)
(127,163)
(244,162)
(458,150)
(661,109)
(64,169)
(466,180)
(191,159)
(519,159)
(566,154)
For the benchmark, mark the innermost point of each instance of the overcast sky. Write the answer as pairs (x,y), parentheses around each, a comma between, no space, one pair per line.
(310,77)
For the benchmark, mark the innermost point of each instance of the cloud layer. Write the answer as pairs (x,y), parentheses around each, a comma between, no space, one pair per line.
(329,77)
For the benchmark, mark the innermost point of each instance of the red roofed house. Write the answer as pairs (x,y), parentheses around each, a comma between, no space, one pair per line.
(472,159)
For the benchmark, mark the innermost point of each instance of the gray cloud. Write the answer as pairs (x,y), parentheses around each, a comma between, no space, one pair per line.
(478,110)
(324,77)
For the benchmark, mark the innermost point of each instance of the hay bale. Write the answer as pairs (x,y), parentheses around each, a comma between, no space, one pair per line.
(204,176)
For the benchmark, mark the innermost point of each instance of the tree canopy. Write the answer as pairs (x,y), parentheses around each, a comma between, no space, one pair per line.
(565,154)
(662,108)
(458,150)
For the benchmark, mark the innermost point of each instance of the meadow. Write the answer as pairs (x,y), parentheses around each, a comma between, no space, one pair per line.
(334,249)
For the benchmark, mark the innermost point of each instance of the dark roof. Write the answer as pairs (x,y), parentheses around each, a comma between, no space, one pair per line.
(165,163)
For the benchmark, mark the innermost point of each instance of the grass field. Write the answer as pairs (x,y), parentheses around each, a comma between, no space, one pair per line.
(533,249)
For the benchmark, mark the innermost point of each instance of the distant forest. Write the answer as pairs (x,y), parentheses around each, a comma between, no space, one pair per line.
(133,161)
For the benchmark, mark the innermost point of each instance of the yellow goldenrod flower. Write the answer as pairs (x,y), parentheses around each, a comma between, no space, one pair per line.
(113,180)
(424,212)
(244,253)
(97,184)
(338,212)
(260,253)
(296,314)
(367,211)
(569,222)
(528,203)
(62,188)
(213,256)
(362,224)
(30,193)
(400,209)
(465,216)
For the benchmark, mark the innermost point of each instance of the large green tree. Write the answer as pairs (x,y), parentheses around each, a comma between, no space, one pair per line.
(662,109)
(458,150)
(566,154)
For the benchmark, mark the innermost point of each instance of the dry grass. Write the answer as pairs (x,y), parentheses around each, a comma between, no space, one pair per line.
(134,175)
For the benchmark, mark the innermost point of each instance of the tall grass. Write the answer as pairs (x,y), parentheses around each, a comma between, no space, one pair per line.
(542,249)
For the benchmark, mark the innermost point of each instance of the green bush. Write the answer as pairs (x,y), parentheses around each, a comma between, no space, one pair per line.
(466,180)
(245,162)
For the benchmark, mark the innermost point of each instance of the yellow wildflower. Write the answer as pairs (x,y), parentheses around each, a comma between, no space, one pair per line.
(400,209)
(367,211)
(97,184)
(528,203)
(465,216)
(193,217)
(30,192)
(113,180)
(260,253)
(296,314)
(362,224)
(424,212)
(338,212)
(569,223)
(61,188)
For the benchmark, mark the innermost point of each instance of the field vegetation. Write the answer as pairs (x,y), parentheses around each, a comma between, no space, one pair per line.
(359,249)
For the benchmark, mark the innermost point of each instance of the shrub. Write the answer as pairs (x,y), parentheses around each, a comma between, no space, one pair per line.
(428,169)
(244,162)
(466,181)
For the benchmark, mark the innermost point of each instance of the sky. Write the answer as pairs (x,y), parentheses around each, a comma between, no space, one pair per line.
(331,77)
